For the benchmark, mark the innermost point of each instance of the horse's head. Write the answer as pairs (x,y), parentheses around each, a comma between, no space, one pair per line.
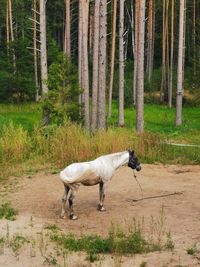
(133,162)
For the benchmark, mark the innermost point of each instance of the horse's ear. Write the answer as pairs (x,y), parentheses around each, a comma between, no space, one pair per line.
(132,152)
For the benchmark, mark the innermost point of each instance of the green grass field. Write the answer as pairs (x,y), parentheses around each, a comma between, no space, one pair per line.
(26,115)
(158,119)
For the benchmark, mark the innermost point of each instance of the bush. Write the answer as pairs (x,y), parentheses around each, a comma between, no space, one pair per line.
(62,99)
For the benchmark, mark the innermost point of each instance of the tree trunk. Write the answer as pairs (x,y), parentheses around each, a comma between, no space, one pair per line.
(140,69)
(171,58)
(184,36)
(121,65)
(12,33)
(95,66)
(80,52)
(136,51)
(43,49)
(7,23)
(85,72)
(35,49)
(180,67)
(132,29)
(194,37)
(91,27)
(67,40)
(112,61)
(102,66)
(150,40)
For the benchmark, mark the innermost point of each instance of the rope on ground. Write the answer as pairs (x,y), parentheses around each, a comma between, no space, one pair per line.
(134,175)
(157,196)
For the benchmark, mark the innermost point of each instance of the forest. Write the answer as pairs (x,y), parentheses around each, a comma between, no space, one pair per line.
(79,57)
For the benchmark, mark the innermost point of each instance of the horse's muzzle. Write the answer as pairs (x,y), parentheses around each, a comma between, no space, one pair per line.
(138,168)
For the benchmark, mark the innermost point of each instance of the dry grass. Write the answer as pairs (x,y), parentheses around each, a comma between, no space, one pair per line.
(59,146)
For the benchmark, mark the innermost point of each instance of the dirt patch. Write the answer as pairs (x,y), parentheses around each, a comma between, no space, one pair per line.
(38,200)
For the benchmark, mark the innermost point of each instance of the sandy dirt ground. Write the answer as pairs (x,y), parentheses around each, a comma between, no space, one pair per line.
(38,201)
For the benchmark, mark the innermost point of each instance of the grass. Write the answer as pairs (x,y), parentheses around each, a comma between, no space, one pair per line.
(7,212)
(132,239)
(25,115)
(24,144)
(160,119)
(192,250)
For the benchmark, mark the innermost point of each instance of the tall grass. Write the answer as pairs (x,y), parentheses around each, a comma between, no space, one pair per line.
(15,144)
(61,145)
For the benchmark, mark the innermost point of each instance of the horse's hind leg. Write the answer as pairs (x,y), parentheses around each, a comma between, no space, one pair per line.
(72,216)
(64,199)
(101,196)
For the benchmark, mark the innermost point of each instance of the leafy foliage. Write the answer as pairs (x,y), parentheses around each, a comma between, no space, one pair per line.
(62,99)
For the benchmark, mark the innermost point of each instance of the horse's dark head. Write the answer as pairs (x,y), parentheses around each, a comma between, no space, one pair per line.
(133,162)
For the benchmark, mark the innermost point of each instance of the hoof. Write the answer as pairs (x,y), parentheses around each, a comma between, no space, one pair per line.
(101,208)
(73,217)
(63,216)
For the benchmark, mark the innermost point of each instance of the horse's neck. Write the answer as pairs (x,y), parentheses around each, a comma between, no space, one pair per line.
(120,159)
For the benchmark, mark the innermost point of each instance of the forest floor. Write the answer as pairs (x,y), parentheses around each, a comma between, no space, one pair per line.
(38,201)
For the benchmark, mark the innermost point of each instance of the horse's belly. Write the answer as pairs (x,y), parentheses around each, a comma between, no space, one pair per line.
(88,178)
(89,181)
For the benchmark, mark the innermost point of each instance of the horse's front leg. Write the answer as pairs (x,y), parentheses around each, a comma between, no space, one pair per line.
(64,199)
(101,196)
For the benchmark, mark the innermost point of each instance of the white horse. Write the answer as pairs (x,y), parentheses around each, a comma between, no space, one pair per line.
(93,172)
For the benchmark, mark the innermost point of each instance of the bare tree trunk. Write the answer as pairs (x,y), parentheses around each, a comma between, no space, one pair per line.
(112,61)
(7,24)
(132,29)
(184,37)
(102,66)
(150,40)
(67,40)
(43,48)
(121,65)
(80,52)
(95,66)
(12,33)
(91,39)
(85,72)
(140,70)
(136,51)
(171,58)
(35,49)
(153,39)
(180,67)
(194,36)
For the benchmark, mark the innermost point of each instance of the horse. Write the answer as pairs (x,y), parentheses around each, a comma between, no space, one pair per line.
(98,171)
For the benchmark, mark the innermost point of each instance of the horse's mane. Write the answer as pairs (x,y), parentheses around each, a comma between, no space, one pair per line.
(115,155)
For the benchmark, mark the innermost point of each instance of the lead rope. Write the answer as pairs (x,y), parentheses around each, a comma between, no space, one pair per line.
(134,175)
